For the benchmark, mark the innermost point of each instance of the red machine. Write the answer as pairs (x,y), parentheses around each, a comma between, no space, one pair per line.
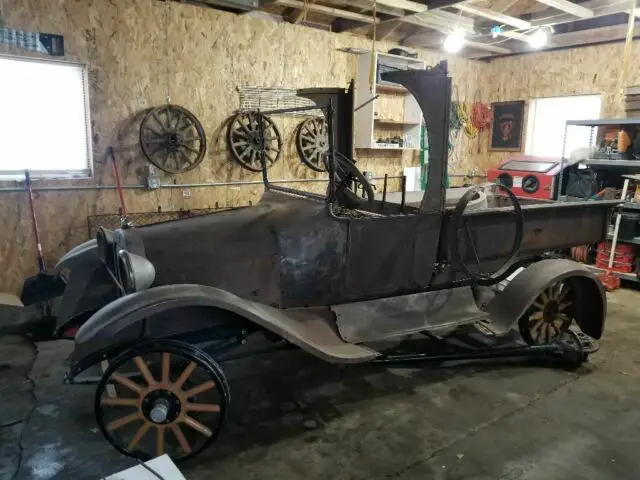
(528,176)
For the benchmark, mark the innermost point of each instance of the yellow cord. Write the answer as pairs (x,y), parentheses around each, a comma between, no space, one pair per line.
(470,130)
(372,65)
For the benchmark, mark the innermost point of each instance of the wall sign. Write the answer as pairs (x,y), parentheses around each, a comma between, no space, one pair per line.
(47,43)
(507,126)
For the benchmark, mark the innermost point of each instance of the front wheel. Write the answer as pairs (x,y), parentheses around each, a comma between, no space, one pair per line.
(549,315)
(162,397)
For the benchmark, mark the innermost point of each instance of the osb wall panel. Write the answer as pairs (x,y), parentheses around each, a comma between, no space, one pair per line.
(590,70)
(139,52)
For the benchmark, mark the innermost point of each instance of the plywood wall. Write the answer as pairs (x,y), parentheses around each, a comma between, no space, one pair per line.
(138,52)
(589,70)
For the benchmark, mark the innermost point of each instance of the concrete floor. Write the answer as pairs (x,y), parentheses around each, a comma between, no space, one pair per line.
(300,418)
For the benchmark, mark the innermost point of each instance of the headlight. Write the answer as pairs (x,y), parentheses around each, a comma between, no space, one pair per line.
(106,242)
(134,272)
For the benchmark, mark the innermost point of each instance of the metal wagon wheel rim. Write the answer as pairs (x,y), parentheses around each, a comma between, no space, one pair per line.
(173,139)
(159,408)
(245,145)
(312,143)
(549,314)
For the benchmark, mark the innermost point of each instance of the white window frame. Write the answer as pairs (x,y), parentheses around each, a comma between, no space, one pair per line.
(532,114)
(57,174)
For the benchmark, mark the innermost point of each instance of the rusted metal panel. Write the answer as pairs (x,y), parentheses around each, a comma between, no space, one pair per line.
(399,316)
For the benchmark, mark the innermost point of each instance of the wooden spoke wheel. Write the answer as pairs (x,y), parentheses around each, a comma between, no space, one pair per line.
(312,143)
(172,139)
(549,315)
(166,397)
(245,142)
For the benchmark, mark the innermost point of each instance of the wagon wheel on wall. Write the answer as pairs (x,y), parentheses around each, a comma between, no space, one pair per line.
(172,139)
(166,397)
(312,143)
(245,145)
(549,315)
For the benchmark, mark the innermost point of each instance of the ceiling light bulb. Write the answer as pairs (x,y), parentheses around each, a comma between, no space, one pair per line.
(538,39)
(454,41)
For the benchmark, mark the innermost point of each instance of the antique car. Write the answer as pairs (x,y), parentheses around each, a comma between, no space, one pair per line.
(344,278)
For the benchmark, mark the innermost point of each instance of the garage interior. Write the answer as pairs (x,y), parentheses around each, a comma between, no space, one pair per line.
(544,100)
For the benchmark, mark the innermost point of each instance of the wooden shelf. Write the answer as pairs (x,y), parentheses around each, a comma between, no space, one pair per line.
(381,88)
(386,121)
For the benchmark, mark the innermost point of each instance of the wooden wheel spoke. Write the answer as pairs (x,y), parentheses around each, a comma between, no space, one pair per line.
(245,152)
(203,407)
(122,421)
(119,402)
(178,119)
(182,440)
(166,366)
(154,115)
(185,157)
(200,388)
(190,148)
(156,141)
(308,147)
(564,293)
(186,373)
(144,369)
(160,434)
(144,428)
(155,132)
(536,316)
(536,326)
(564,305)
(125,382)
(197,426)
(538,305)
(239,144)
(543,296)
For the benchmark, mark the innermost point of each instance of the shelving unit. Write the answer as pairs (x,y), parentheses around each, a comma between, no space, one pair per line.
(369,127)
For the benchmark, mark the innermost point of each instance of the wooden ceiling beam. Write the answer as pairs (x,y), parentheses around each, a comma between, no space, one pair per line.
(336,12)
(600,8)
(569,7)
(420,40)
(493,15)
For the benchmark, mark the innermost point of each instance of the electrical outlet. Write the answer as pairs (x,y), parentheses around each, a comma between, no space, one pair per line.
(186,192)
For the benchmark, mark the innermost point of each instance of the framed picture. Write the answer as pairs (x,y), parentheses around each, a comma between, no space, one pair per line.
(507,126)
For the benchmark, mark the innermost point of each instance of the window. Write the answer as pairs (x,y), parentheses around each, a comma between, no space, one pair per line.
(547,120)
(44,118)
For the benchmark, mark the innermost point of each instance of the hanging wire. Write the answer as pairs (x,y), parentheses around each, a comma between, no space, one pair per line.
(166,44)
(628,43)
(372,65)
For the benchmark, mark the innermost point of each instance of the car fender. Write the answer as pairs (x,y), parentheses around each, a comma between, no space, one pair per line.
(590,301)
(122,322)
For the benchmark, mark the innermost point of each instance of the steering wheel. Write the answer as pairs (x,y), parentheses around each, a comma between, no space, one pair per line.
(347,177)
(458,221)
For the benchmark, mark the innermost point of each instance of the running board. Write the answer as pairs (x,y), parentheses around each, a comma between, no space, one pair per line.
(387,318)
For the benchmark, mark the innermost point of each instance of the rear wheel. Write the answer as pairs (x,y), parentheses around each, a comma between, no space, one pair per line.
(166,397)
(550,314)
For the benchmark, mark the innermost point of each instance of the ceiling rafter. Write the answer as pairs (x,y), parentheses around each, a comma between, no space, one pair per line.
(493,15)
(569,7)
(336,12)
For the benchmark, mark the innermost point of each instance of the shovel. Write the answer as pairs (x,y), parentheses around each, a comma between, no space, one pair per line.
(44,286)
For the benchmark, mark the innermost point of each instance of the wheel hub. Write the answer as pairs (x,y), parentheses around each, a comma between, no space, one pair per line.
(161,406)
(551,311)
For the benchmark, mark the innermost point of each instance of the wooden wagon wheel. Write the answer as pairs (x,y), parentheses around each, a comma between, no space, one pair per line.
(312,143)
(549,315)
(167,397)
(245,145)
(172,139)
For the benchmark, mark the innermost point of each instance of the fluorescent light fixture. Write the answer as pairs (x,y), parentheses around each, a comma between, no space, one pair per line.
(454,41)
(538,39)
